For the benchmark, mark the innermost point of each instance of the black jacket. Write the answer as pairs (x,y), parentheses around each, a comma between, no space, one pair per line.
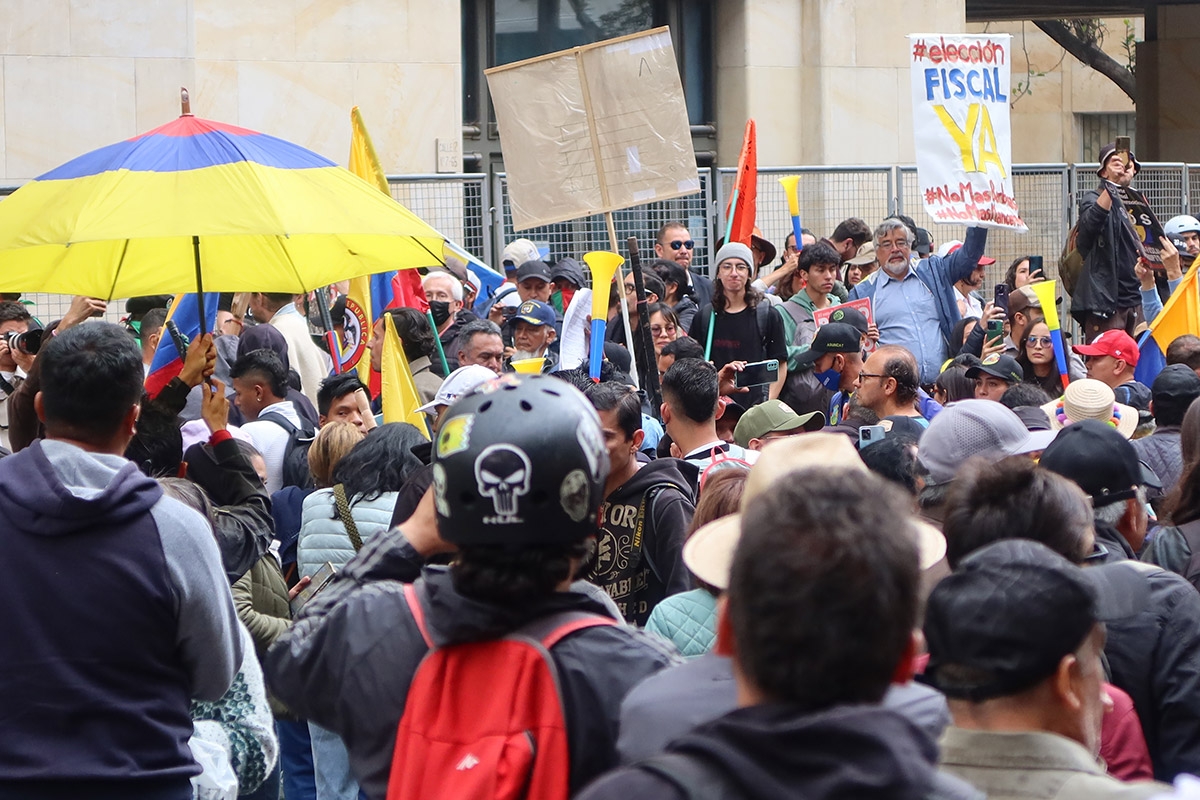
(347,661)
(638,575)
(1154,655)
(1108,250)
(772,752)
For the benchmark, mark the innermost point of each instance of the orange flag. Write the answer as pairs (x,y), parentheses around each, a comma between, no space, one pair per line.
(739,214)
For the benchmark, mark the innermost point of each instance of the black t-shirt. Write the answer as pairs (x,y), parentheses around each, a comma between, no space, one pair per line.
(736,337)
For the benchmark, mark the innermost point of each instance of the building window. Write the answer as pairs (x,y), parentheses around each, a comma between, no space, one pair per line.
(529,28)
(1097,130)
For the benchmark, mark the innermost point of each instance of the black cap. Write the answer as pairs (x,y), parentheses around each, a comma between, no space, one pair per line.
(1176,382)
(835,337)
(850,316)
(1005,368)
(533,269)
(1003,620)
(1033,418)
(898,426)
(1097,457)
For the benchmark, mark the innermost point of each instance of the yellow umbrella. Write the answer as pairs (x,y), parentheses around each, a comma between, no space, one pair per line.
(196,206)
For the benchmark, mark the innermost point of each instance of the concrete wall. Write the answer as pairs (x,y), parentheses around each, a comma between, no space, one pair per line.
(79,74)
(1168,73)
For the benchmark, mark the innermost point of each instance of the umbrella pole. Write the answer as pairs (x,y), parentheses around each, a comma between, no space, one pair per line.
(199,285)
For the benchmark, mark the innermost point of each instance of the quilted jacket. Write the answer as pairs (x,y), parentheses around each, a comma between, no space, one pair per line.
(323,537)
(688,620)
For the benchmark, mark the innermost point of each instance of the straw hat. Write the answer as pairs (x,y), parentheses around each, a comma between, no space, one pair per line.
(1090,399)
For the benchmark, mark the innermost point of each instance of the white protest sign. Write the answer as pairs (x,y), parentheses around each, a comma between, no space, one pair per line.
(961,86)
(594,129)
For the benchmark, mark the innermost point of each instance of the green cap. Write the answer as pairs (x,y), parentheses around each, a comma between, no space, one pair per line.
(774,416)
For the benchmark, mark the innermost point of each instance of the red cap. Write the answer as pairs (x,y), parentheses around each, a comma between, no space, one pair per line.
(984,261)
(1117,344)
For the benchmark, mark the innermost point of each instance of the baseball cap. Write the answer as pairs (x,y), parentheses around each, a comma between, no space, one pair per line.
(535,312)
(949,247)
(969,428)
(850,316)
(865,255)
(1088,398)
(1033,417)
(456,384)
(923,241)
(517,252)
(896,426)
(1176,382)
(836,337)
(708,552)
(1022,299)
(1115,343)
(1107,151)
(774,416)
(1098,458)
(1003,620)
(534,269)
(1003,367)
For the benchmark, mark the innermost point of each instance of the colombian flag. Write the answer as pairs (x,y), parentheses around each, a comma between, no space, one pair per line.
(168,361)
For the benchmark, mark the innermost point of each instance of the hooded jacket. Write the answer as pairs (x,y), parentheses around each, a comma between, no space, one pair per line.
(639,552)
(118,613)
(347,662)
(771,752)
(1108,249)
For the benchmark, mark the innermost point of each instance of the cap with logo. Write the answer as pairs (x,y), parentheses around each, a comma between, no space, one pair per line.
(456,384)
(970,428)
(774,416)
(1004,619)
(851,316)
(535,312)
(834,337)
(1100,460)
(1117,344)
(1000,366)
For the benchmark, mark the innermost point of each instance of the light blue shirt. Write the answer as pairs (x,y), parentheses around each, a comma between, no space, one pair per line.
(906,313)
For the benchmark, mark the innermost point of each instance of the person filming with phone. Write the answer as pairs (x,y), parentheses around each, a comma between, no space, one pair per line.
(1107,295)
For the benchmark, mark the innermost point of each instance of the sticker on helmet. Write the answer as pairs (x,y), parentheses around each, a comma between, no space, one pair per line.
(573,495)
(502,473)
(439,490)
(592,445)
(455,435)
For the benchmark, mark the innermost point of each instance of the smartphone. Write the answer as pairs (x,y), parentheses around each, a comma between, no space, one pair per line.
(1123,149)
(995,331)
(319,581)
(1035,270)
(869,435)
(1000,296)
(757,374)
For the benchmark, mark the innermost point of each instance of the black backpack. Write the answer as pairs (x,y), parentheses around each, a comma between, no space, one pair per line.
(295,455)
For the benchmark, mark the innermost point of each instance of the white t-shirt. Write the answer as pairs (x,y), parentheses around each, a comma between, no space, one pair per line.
(270,439)
(702,456)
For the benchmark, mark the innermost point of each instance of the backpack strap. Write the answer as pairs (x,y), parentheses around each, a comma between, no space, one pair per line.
(281,421)
(696,779)
(552,629)
(647,504)
(418,612)
(1190,531)
(343,510)
(793,310)
(762,320)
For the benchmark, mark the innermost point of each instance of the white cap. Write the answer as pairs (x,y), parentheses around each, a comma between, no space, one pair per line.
(948,247)
(517,252)
(458,383)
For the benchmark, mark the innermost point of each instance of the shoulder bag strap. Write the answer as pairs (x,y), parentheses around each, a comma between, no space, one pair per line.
(343,511)
(413,598)
(694,778)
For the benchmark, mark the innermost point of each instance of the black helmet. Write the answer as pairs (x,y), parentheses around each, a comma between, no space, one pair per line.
(519,460)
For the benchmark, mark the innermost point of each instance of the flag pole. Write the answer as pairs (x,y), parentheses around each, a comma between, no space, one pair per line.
(437,342)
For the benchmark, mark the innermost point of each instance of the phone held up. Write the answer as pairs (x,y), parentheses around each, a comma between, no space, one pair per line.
(757,373)
(869,435)
(1036,268)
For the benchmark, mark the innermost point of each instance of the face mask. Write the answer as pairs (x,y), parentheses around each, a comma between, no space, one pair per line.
(440,310)
(831,379)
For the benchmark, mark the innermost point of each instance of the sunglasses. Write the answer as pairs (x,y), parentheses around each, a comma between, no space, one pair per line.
(1040,341)
(689,244)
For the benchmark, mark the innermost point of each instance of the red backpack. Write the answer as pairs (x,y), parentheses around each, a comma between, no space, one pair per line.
(485,719)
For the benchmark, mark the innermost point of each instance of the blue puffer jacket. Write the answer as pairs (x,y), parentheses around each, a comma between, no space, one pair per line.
(323,537)
(688,620)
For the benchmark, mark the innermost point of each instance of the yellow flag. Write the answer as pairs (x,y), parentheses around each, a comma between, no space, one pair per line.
(365,164)
(1180,315)
(400,398)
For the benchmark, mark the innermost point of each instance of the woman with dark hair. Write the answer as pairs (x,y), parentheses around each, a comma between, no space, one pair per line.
(1035,354)
(1018,273)
(678,290)
(953,385)
(664,326)
(962,329)
(742,327)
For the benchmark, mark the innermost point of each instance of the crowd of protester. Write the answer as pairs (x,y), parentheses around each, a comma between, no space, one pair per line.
(914,560)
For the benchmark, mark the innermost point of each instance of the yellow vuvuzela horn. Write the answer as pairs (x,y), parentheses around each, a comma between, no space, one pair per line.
(603,265)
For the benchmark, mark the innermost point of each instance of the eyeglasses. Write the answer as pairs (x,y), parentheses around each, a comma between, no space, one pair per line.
(1040,341)
(872,375)
(897,245)
(659,330)
(689,244)
(731,266)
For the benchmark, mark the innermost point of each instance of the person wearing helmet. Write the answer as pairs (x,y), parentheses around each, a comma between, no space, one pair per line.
(1187,229)
(519,472)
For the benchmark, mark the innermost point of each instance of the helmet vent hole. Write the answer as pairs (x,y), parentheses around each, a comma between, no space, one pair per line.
(485,406)
(525,406)
(551,392)
(510,387)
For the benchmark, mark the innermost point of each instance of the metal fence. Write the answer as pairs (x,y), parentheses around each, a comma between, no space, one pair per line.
(579,236)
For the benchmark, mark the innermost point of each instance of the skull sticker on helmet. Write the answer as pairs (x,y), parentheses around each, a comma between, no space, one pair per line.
(502,472)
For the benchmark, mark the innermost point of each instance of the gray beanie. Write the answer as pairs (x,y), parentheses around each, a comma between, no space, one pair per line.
(735,250)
